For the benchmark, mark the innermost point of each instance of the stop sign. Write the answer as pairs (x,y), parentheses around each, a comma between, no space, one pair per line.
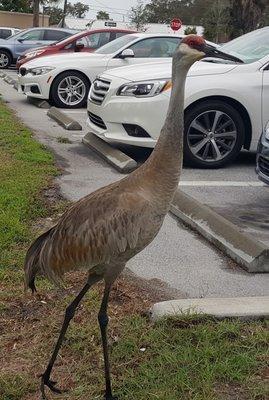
(175,24)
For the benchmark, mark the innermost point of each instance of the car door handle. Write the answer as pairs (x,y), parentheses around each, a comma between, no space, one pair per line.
(39,43)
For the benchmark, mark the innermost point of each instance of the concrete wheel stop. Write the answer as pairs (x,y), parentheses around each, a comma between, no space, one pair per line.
(38,102)
(244,249)
(64,120)
(113,156)
(235,307)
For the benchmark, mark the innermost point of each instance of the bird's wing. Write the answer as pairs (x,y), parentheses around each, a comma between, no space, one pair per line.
(97,229)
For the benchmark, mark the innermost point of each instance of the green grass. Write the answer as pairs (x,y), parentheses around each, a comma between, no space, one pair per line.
(25,169)
(188,358)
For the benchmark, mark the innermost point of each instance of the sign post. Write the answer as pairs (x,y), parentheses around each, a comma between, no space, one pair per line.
(175,24)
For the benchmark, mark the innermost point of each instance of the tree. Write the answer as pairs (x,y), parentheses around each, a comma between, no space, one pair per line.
(78,9)
(190,12)
(102,15)
(15,5)
(246,15)
(55,13)
(36,4)
(190,30)
(216,22)
(137,16)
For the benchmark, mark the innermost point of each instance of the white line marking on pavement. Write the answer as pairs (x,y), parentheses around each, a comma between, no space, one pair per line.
(222,183)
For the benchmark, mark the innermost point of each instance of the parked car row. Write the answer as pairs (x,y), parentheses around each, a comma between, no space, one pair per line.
(225,103)
(129,85)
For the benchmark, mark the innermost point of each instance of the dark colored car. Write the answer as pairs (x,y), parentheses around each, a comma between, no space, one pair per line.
(88,41)
(12,47)
(262,159)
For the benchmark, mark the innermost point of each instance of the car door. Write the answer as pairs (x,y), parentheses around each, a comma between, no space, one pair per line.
(28,40)
(265,93)
(147,50)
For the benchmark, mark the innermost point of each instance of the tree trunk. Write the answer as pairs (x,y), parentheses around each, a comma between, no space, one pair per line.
(65,10)
(36,12)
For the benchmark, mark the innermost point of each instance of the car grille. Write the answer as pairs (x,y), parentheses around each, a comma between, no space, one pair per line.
(96,120)
(99,90)
(23,71)
(264,165)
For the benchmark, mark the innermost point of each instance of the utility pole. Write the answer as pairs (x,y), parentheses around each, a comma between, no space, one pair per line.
(64,14)
(36,12)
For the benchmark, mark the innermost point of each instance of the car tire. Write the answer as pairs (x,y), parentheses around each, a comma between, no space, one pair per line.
(214,134)
(5,59)
(63,91)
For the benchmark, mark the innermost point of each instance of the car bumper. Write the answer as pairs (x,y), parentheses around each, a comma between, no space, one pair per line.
(34,86)
(110,120)
(262,160)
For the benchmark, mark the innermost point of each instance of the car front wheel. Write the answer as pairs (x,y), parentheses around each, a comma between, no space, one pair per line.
(214,134)
(70,90)
(5,59)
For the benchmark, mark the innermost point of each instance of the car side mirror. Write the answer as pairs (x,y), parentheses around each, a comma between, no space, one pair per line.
(79,46)
(21,40)
(126,53)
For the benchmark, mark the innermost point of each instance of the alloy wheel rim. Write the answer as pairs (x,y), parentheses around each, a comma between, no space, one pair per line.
(3,60)
(71,90)
(212,136)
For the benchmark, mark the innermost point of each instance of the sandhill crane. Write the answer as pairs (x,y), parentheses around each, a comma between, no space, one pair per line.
(103,230)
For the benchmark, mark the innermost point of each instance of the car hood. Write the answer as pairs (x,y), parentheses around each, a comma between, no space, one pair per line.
(163,70)
(58,60)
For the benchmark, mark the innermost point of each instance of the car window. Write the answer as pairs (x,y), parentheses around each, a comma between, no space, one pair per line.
(5,33)
(50,34)
(116,45)
(120,34)
(155,47)
(97,40)
(36,34)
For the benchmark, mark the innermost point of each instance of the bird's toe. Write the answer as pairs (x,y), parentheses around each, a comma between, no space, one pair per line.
(50,384)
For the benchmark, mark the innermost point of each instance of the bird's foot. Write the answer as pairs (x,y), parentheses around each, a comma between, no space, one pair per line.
(45,381)
(111,398)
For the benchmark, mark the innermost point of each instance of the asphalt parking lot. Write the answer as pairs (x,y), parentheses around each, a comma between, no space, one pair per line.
(178,259)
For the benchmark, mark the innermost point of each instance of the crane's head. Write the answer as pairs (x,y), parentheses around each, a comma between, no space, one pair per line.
(195,48)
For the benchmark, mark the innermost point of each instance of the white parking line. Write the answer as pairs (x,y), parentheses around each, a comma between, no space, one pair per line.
(222,183)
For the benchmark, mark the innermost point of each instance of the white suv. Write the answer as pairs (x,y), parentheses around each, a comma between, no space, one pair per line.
(226,104)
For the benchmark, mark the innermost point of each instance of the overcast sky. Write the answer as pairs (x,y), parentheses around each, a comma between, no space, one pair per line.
(117,9)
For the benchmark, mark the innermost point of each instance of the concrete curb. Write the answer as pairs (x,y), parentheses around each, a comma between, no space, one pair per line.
(64,120)
(115,157)
(237,307)
(2,75)
(16,85)
(38,102)
(248,252)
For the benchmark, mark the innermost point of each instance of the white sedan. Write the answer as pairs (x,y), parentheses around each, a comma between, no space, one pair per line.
(66,78)
(226,104)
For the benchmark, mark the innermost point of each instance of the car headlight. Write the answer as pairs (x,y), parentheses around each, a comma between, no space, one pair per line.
(144,89)
(267,131)
(39,70)
(33,53)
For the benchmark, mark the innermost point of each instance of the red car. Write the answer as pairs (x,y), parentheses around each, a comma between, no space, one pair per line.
(89,41)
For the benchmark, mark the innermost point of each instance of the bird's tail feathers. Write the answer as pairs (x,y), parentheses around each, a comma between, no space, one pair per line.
(32,261)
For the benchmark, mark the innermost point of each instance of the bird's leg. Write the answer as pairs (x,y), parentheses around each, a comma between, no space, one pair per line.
(69,314)
(103,321)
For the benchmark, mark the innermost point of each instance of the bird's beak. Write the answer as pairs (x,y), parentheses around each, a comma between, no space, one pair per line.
(211,51)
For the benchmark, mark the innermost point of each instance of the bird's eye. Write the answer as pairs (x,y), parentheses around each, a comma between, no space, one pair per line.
(191,43)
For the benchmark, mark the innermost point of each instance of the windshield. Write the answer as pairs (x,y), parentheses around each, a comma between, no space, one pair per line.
(116,44)
(250,47)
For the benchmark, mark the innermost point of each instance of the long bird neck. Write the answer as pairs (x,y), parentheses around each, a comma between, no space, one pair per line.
(161,172)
